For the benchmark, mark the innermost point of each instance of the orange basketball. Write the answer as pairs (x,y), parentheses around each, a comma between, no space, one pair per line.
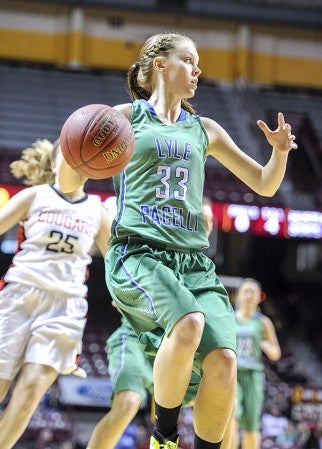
(97,141)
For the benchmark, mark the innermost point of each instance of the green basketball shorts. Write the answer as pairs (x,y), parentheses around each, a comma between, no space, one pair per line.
(155,288)
(128,367)
(250,399)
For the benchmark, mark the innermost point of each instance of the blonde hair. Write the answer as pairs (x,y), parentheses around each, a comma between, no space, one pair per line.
(139,76)
(35,164)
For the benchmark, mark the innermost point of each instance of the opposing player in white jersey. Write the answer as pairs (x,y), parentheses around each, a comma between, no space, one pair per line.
(43,303)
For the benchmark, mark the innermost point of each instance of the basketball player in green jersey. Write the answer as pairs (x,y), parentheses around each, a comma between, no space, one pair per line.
(255,334)
(130,370)
(156,270)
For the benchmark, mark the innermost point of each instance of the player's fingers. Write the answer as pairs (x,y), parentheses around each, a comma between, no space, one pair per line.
(292,141)
(262,125)
(281,120)
(288,128)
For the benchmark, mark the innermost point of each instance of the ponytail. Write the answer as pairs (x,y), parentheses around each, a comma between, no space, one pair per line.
(137,92)
(35,164)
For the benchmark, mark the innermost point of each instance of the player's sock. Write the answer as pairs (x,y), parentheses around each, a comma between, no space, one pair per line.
(202,444)
(166,420)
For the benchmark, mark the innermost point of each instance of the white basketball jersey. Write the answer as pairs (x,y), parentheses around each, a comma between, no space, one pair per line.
(54,242)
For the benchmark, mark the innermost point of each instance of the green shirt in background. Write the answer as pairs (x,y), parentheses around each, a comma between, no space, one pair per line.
(249,336)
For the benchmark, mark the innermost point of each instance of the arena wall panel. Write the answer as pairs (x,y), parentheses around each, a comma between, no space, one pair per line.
(110,39)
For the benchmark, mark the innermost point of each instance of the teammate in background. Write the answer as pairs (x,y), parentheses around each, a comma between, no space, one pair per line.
(156,270)
(132,377)
(255,334)
(43,303)
(129,369)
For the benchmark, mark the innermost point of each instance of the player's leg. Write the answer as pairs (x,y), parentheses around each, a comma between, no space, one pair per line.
(215,399)
(15,321)
(251,440)
(32,383)
(172,372)
(230,440)
(240,415)
(131,375)
(253,399)
(184,324)
(174,360)
(4,388)
(216,357)
(111,427)
(238,434)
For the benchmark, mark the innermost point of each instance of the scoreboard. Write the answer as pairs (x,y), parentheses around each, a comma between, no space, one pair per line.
(268,221)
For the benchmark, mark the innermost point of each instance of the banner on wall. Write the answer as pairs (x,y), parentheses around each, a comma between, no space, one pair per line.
(95,392)
(89,392)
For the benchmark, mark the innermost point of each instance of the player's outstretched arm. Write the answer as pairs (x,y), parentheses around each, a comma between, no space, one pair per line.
(16,209)
(264,180)
(69,180)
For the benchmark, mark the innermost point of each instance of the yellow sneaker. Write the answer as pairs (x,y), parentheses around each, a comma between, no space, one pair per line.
(154,444)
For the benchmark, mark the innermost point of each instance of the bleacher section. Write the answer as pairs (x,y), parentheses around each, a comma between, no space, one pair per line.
(35,102)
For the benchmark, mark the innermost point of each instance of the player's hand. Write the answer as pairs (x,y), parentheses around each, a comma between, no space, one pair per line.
(281,138)
(79,372)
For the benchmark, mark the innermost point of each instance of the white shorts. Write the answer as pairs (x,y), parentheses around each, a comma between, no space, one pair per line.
(39,326)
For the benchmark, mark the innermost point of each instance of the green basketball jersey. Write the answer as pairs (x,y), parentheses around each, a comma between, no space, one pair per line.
(159,193)
(249,336)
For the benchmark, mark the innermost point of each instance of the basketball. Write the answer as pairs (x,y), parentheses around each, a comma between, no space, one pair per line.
(97,141)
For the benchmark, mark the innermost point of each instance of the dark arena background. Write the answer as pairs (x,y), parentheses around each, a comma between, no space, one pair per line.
(258,57)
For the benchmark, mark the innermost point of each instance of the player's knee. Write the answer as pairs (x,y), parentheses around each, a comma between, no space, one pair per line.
(221,364)
(131,404)
(229,368)
(127,402)
(188,330)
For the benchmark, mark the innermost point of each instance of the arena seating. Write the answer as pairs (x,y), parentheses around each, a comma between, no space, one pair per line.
(54,94)
(93,359)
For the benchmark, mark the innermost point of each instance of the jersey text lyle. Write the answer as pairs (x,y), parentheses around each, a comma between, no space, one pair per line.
(170,149)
